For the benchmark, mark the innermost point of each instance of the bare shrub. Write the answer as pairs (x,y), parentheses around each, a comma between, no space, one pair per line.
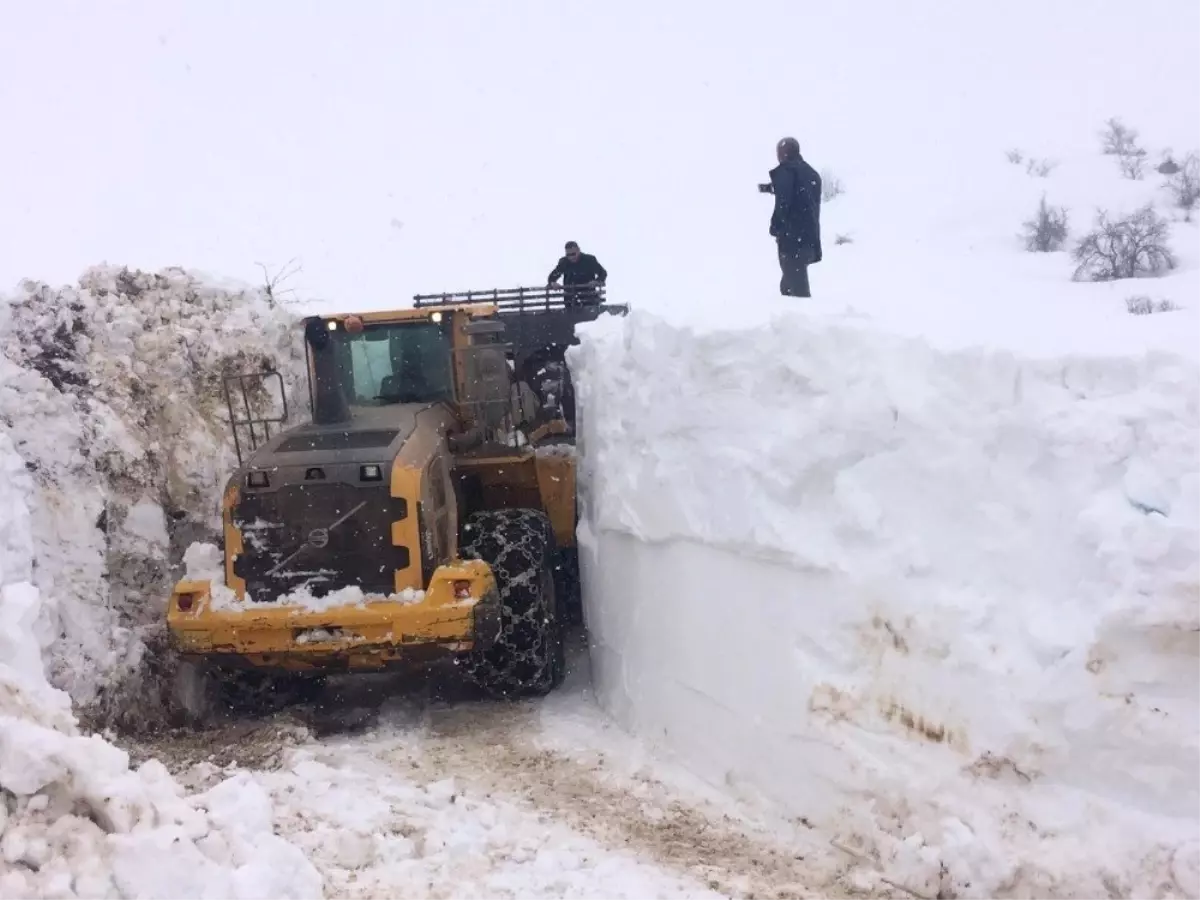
(273,284)
(843,239)
(1133,165)
(831,186)
(1040,168)
(1047,230)
(1141,305)
(1184,184)
(1118,139)
(1125,248)
(1015,156)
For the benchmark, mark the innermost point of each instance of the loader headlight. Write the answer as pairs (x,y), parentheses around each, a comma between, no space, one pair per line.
(258,480)
(370,473)
(331,325)
(435,317)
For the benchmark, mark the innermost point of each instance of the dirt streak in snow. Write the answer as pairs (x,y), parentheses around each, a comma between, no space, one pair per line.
(488,747)
(423,738)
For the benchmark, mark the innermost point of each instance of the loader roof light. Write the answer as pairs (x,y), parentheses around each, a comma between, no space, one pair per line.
(370,473)
(258,480)
(435,317)
(331,325)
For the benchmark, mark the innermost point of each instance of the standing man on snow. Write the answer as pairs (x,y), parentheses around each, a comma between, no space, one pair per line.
(796,221)
(579,271)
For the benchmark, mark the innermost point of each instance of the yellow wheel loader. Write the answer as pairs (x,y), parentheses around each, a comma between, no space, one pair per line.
(426,512)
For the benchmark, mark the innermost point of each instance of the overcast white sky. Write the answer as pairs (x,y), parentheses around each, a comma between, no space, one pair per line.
(402,147)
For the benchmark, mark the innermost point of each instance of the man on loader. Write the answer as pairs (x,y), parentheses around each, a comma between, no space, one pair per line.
(580,272)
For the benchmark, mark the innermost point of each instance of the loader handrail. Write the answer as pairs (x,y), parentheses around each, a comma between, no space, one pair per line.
(250,420)
(546,298)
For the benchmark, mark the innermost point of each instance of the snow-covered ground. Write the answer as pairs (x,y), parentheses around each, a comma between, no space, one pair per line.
(467,798)
(918,562)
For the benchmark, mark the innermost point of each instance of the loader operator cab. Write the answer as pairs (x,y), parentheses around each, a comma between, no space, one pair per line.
(384,363)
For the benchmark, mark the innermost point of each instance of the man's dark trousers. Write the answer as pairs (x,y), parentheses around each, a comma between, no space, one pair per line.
(794,259)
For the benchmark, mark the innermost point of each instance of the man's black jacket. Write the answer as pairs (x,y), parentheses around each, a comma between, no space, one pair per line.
(797,216)
(581,271)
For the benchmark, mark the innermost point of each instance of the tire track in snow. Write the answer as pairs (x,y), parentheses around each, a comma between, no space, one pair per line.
(488,748)
(422,733)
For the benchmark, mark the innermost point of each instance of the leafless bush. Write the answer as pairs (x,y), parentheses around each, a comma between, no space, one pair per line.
(1015,156)
(831,186)
(1047,230)
(1125,248)
(1118,139)
(1039,168)
(273,284)
(1141,305)
(843,239)
(1133,165)
(1184,184)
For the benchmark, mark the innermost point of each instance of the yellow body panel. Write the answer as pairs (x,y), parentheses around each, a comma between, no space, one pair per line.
(233,540)
(526,479)
(371,635)
(556,482)
(383,316)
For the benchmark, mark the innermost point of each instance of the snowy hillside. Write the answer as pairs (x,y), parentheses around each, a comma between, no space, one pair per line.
(400,150)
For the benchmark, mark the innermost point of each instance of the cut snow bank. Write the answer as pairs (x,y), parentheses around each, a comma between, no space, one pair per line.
(942,604)
(111,393)
(75,819)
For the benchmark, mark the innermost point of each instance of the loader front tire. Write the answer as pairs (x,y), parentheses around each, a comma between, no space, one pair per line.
(528,658)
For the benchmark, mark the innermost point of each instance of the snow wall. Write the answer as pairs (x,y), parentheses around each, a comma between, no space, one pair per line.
(942,605)
(113,448)
(111,394)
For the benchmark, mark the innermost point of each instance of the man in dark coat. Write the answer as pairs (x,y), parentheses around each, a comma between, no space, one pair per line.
(579,271)
(796,221)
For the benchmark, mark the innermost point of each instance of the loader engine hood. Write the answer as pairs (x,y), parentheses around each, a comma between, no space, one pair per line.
(315,507)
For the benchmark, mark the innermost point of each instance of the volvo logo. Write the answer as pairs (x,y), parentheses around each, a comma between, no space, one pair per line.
(317,538)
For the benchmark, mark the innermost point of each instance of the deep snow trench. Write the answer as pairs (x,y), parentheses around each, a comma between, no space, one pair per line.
(913,621)
(113,452)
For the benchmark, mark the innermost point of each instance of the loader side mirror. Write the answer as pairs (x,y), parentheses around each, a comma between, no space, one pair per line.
(315,332)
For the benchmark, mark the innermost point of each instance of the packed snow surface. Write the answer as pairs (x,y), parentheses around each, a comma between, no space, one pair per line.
(941,603)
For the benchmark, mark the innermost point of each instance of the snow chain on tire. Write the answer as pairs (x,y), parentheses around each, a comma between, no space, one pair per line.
(518,545)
